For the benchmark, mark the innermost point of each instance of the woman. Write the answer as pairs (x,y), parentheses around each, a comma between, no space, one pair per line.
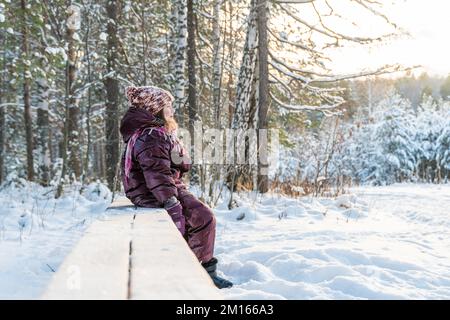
(152,167)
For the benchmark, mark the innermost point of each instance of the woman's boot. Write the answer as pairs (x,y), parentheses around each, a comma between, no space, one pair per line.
(211,267)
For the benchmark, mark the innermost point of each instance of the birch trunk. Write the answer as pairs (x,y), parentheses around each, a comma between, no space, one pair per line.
(244,113)
(180,57)
(73,127)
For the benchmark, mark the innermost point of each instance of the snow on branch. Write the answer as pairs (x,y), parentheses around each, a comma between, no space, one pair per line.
(330,33)
(204,14)
(201,60)
(288,73)
(283,84)
(294,69)
(382,70)
(11,104)
(363,3)
(297,44)
(294,1)
(295,73)
(325,94)
(205,41)
(326,109)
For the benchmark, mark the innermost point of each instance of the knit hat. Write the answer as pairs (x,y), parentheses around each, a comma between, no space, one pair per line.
(152,99)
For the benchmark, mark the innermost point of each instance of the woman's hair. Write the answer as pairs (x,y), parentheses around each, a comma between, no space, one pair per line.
(160,115)
(169,123)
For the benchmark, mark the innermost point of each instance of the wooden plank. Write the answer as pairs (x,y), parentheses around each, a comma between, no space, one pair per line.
(120,203)
(162,264)
(97,268)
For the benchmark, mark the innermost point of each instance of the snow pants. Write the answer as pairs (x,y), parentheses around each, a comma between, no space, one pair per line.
(200,225)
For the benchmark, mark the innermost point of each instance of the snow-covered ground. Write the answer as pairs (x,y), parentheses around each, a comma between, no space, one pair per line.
(37,232)
(374,243)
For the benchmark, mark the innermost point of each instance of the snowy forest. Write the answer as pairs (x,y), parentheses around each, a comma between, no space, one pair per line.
(230,64)
(64,67)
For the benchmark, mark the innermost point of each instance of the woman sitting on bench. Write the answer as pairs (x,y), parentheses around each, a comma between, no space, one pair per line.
(152,167)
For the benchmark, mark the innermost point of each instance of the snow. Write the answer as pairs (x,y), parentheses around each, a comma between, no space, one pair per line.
(103,36)
(56,51)
(37,232)
(390,242)
(52,50)
(374,243)
(395,144)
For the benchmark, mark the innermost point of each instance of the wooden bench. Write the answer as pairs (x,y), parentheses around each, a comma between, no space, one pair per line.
(133,254)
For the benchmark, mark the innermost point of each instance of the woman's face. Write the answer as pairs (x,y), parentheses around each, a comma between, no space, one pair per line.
(168,112)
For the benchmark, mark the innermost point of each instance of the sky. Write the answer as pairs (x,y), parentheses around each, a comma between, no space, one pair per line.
(428,23)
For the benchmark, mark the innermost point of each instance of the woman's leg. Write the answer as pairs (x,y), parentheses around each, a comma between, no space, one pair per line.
(201,233)
(200,225)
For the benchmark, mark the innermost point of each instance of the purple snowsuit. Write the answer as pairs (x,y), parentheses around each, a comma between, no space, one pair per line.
(154,177)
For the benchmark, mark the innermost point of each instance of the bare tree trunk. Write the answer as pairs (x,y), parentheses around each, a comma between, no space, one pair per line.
(26,93)
(43,123)
(43,137)
(171,39)
(144,42)
(71,143)
(2,109)
(89,98)
(244,115)
(191,59)
(2,141)
(192,81)
(217,70)
(263,181)
(112,91)
(101,149)
(245,86)
(63,154)
(179,63)
(73,112)
(230,74)
(97,165)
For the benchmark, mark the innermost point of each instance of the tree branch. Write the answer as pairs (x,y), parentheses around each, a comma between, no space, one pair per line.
(300,108)
(330,33)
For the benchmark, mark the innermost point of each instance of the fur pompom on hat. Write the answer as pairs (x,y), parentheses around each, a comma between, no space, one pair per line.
(152,99)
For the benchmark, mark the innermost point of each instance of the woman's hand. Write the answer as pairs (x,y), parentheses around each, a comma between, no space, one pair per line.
(175,210)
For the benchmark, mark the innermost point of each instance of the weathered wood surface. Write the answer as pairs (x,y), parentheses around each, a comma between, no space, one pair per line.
(132,254)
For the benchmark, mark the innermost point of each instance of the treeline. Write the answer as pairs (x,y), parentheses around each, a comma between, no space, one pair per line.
(241,64)
(387,142)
